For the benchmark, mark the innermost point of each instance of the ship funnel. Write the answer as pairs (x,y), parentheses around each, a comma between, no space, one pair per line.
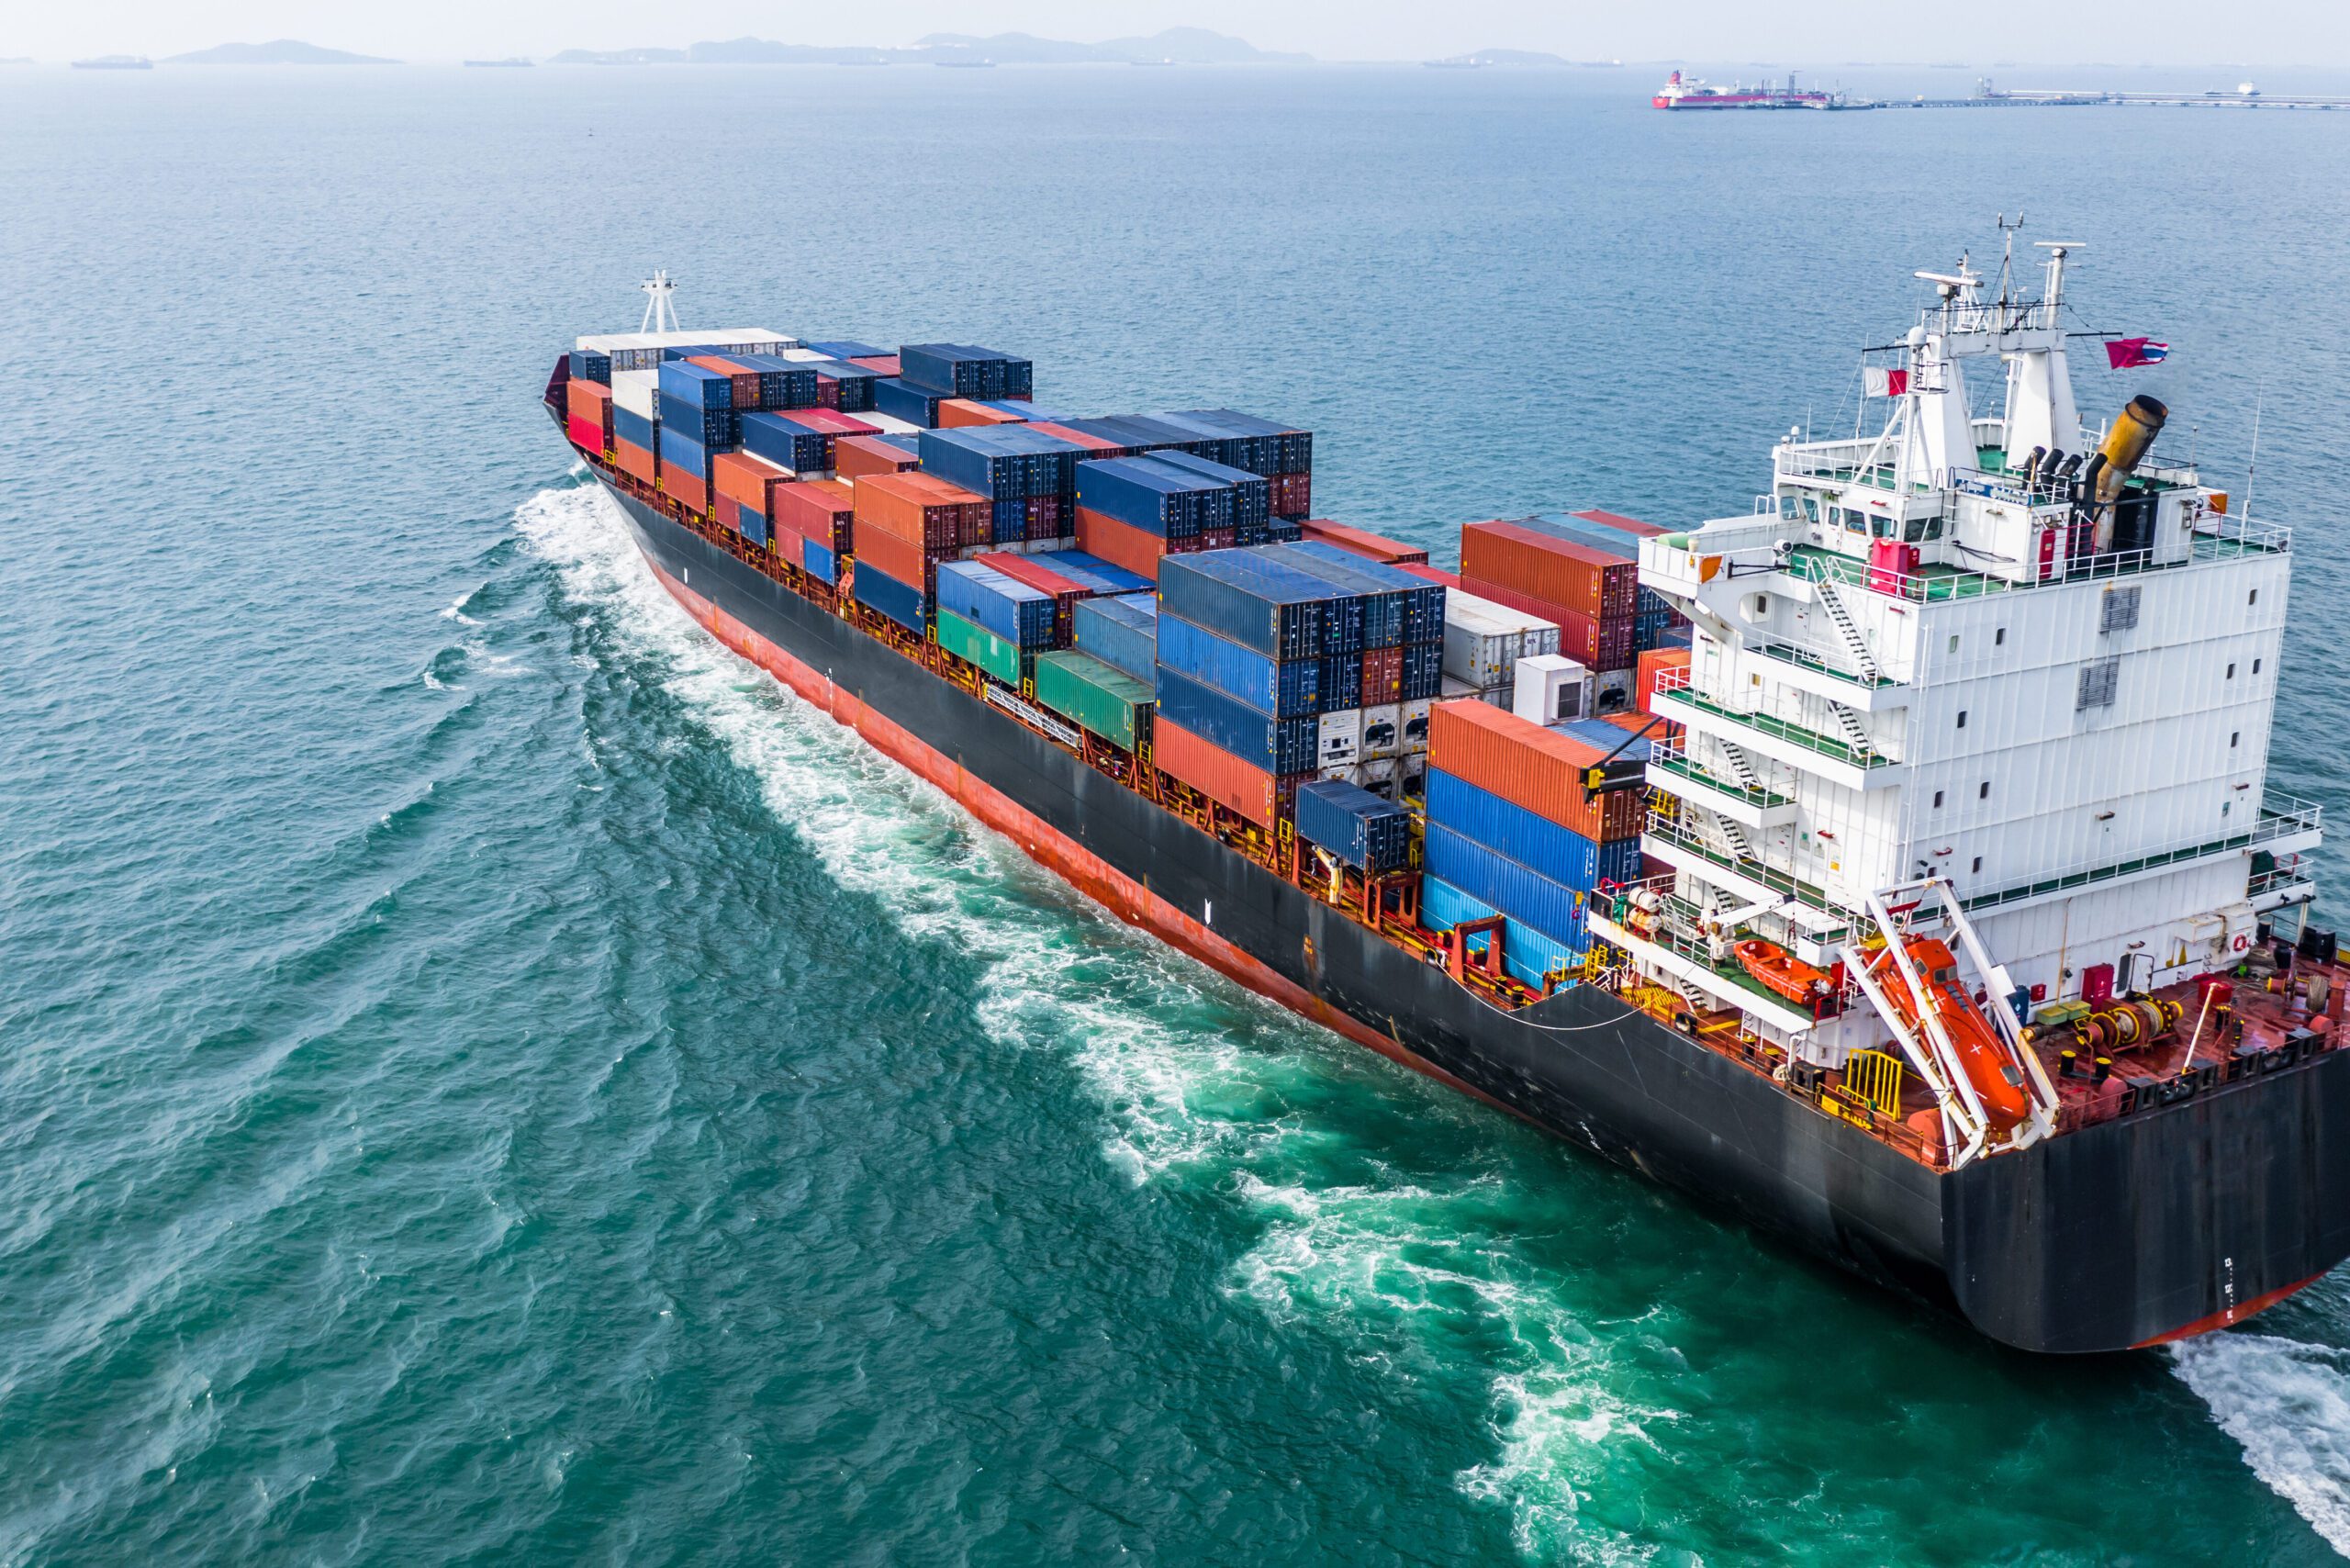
(2031,465)
(2126,443)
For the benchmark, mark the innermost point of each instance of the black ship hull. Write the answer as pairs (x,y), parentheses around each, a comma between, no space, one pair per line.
(2165,1223)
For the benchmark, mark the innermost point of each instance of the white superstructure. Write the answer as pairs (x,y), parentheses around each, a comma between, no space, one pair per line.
(1980,650)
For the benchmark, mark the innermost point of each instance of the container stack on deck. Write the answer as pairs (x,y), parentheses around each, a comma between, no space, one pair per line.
(1580,571)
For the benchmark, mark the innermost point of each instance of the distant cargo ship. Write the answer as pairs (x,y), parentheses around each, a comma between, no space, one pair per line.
(1688,93)
(1893,867)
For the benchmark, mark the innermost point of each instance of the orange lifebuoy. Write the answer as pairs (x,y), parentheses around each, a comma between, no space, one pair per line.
(2241,943)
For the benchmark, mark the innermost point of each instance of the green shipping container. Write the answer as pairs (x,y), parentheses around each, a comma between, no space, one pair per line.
(1108,701)
(980,646)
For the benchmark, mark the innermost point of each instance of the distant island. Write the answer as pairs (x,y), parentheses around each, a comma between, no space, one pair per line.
(17,60)
(283,51)
(1176,46)
(1486,57)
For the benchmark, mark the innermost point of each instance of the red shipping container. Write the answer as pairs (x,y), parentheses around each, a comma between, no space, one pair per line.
(753,481)
(1120,543)
(1293,495)
(1382,677)
(1528,766)
(879,364)
(1044,518)
(900,558)
(684,486)
(1100,446)
(1575,576)
(828,392)
(635,462)
(1362,542)
(591,401)
(831,421)
(743,382)
(1218,539)
(958,413)
(856,454)
(1652,663)
(1263,798)
(918,508)
(1036,575)
(1622,525)
(727,512)
(584,434)
(815,509)
(787,545)
(1429,574)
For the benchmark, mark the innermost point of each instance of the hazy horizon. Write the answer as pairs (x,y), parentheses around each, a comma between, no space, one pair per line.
(2025,32)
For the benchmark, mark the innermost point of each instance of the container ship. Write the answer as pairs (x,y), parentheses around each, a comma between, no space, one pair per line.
(1681,92)
(1891,867)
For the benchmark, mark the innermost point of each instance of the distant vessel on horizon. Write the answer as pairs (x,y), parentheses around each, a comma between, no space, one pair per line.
(489,64)
(1690,93)
(116,62)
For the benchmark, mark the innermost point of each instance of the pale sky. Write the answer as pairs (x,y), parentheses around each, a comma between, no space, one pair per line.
(2314,33)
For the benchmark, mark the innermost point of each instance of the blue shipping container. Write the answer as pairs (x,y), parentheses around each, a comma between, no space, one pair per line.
(1093,572)
(1122,632)
(1423,601)
(1423,671)
(586,365)
(1154,496)
(1354,824)
(693,386)
(634,429)
(986,597)
(783,383)
(1343,617)
(1535,842)
(783,440)
(1217,589)
(900,401)
(1528,954)
(755,527)
(847,348)
(1551,908)
(1282,689)
(817,561)
(682,452)
(1277,745)
(902,603)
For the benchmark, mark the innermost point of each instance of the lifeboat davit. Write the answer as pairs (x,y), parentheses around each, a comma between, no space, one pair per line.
(1995,1075)
(1784,972)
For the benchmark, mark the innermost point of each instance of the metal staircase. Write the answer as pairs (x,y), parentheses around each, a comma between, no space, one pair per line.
(1848,631)
(1855,733)
(1740,767)
(1734,838)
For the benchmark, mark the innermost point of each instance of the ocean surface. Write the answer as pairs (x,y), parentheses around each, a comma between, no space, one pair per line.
(486,1076)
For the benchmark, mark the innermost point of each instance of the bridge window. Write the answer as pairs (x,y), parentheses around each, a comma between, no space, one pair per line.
(1962,718)
(1978,865)
(1938,800)
(2233,737)
(2098,681)
(2256,666)
(1983,791)
(1999,637)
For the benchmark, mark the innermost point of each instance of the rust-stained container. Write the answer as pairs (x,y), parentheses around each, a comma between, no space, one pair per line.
(853,455)
(741,378)
(1528,766)
(879,363)
(1263,798)
(1364,542)
(691,488)
(748,480)
(900,558)
(1120,543)
(1558,571)
(820,509)
(958,413)
(635,462)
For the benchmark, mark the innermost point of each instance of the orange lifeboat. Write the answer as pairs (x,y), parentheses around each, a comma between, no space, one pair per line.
(1784,973)
(1996,1078)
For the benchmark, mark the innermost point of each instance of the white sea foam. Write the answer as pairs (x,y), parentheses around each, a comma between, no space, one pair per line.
(2288,1404)
(456,611)
(1397,1267)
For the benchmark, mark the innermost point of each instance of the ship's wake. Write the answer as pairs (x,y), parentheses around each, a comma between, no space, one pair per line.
(1198,1082)
(2288,1403)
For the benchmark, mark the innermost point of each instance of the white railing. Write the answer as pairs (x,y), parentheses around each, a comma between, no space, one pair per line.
(2280,816)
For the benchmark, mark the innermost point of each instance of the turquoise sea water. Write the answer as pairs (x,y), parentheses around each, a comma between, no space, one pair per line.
(486,1076)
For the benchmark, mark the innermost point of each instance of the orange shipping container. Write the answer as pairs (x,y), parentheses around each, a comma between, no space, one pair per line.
(686,488)
(956,413)
(1364,542)
(635,462)
(1653,663)
(899,558)
(1120,543)
(1622,525)
(1576,576)
(591,401)
(918,508)
(740,477)
(1530,767)
(1261,797)
(857,454)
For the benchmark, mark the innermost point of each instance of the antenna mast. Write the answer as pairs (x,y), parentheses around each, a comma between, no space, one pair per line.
(660,309)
